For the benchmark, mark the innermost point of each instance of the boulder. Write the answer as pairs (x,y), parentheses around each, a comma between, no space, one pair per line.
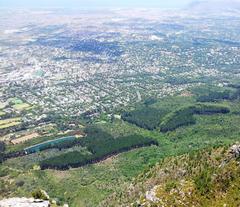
(235,151)
(24,202)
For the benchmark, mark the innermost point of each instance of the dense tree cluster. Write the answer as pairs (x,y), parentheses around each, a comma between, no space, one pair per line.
(149,101)
(101,145)
(213,93)
(184,116)
(167,119)
(210,109)
(181,117)
(146,117)
(215,96)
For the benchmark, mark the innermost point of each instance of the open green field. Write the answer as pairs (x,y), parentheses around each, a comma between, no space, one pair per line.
(18,104)
(10,124)
(21,106)
(6,123)
(95,182)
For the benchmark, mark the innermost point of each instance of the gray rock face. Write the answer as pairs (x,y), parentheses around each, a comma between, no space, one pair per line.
(24,202)
(235,150)
(151,195)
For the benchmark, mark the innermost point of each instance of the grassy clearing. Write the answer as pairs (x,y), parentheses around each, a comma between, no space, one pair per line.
(173,102)
(25,138)
(6,123)
(22,106)
(4,126)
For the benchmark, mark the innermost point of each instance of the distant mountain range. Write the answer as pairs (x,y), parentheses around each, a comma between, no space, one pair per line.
(214,5)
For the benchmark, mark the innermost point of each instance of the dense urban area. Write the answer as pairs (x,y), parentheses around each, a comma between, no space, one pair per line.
(95,105)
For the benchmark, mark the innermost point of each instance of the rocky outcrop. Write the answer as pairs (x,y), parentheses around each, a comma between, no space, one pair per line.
(151,195)
(234,151)
(24,202)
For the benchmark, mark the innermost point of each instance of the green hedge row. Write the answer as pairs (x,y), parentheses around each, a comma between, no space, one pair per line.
(184,116)
(215,96)
(101,145)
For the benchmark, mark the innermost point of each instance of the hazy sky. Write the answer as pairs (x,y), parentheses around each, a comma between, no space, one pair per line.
(95,3)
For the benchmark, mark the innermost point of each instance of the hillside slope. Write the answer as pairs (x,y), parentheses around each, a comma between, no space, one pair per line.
(207,178)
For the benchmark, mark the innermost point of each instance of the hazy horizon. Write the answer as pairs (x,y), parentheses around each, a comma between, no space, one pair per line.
(94,3)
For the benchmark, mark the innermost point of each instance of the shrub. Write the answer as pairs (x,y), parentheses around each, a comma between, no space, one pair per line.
(40,194)
(203,181)
(19,183)
(170,185)
(210,109)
